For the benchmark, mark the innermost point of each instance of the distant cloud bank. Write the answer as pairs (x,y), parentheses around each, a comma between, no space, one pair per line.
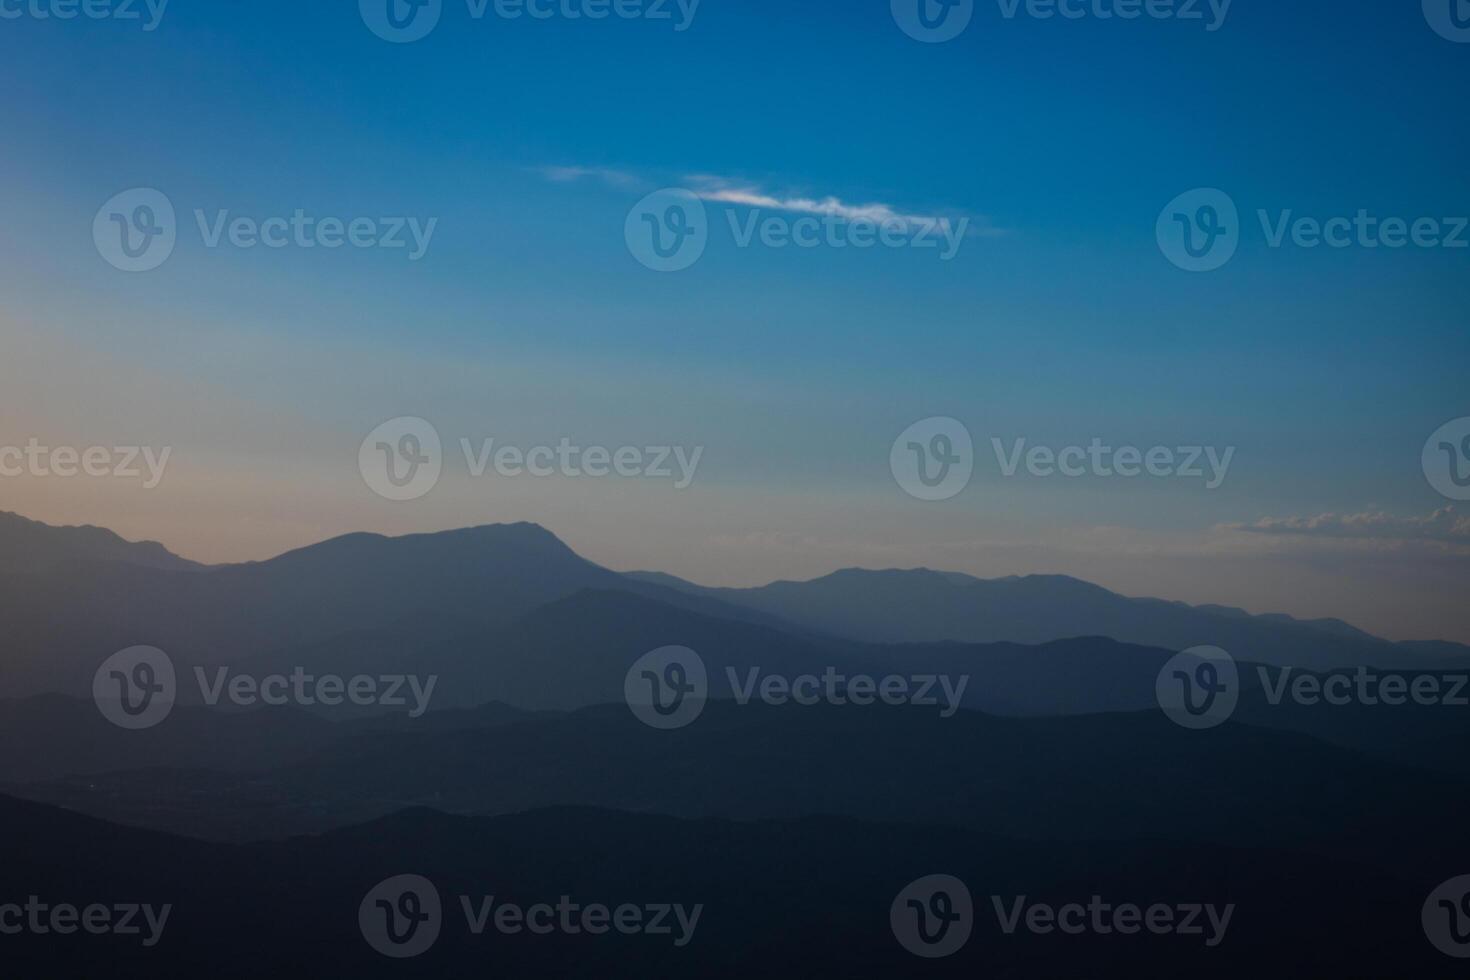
(1441,525)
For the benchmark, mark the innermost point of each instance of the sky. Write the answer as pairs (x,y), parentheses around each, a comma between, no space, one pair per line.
(1056,152)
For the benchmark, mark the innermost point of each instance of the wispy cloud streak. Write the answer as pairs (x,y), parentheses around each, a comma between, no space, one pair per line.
(1441,525)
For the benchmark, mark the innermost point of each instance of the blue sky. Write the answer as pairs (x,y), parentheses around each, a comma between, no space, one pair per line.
(529,320)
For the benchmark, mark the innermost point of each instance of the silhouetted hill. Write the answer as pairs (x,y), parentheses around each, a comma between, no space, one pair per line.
(30,546)
(64,621)
(1100,777)
(926,606)
(808,898)
(575,652)
(66,736)
(414,599)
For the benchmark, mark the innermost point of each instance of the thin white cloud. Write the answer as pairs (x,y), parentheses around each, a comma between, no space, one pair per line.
(607,175)
(827,207)
(723,190)
(1441,525)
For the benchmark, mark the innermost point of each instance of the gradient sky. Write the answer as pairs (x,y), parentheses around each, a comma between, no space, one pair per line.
(529,321)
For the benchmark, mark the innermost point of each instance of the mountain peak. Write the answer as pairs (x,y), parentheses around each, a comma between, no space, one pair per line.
(521,538)
(29,545)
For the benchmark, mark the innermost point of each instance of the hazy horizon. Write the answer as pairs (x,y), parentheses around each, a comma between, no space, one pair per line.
(754,581)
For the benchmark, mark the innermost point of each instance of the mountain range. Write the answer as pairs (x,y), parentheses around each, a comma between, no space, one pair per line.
(804,897)
(1055,779)
(466,601)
